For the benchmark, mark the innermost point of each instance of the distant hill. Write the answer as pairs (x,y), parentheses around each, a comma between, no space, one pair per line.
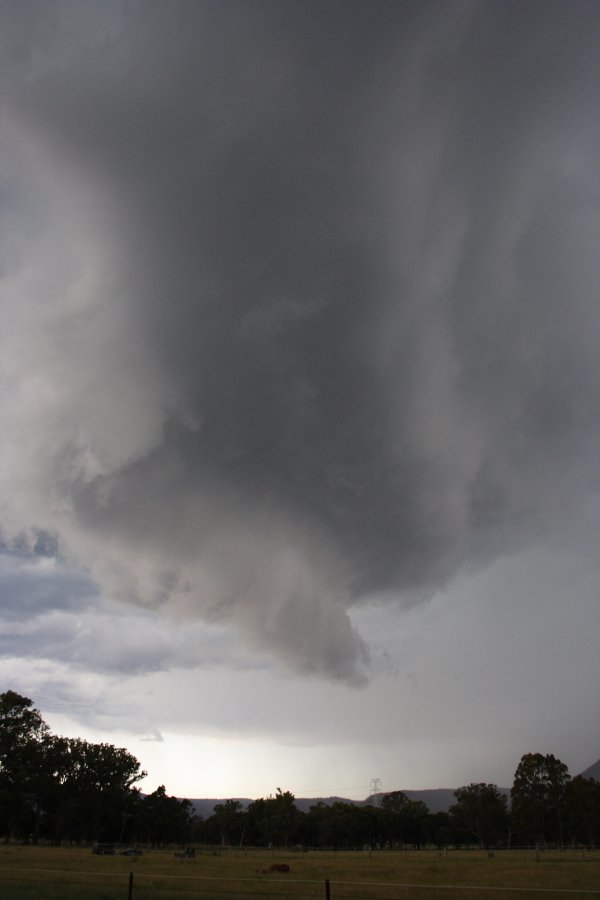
(436,800)
(593,771)
(205,807)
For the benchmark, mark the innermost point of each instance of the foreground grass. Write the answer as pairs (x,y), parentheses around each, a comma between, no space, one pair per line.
(75,874)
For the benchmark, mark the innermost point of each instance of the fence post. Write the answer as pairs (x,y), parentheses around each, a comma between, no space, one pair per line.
(130,887)
(327,890)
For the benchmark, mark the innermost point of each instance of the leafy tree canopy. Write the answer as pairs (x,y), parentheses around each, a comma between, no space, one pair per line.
(481,811)
(538,795)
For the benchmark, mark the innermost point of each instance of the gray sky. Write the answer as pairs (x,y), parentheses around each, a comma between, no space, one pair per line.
(300,383)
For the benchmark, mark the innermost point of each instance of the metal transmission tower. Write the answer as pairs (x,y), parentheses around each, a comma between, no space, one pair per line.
(374,789)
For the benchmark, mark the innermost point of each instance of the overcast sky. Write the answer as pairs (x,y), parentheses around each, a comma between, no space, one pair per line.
(300,386)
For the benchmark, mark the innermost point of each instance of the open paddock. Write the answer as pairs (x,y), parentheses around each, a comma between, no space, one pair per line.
(45,873)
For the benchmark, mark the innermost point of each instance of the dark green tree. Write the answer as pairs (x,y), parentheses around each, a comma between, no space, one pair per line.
(256,813)
(392,805)
(582,811)
(227,823)
(24,739)
(439,830)
(274,821)
(481,812)
(339,825)
(413,823)
(370,821)
(161,819)
(91,793)
(282,819)
(538,798)
(403,821)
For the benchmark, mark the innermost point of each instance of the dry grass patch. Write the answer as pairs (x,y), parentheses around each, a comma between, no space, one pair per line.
(75,874)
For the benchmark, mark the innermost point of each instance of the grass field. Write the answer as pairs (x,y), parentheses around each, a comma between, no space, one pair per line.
(36,873)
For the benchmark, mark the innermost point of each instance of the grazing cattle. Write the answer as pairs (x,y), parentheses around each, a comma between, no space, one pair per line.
(280,867)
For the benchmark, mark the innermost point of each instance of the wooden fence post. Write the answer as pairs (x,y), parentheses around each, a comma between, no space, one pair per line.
(327,890)
(130,887)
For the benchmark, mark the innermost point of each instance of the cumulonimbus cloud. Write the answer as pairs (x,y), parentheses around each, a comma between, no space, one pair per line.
(298,307)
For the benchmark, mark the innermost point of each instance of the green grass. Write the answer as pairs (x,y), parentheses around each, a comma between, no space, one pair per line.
(40,891)
(75,874)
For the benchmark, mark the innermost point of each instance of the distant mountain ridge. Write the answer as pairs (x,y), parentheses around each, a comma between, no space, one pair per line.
(436,799)
(593,771)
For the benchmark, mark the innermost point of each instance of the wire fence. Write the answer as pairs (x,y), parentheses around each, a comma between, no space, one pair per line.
(52,884)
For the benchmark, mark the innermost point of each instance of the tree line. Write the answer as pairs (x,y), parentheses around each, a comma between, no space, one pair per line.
(64,790)
(70,790)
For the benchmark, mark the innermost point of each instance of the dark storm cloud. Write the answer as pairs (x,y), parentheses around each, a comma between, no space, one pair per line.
(327,322)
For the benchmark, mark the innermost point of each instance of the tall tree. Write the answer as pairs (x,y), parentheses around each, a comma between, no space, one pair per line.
(414,818)
(274,820)
(341,825)
(163,819)
(89,789)
(392,808)
(582,810)
(538,798)
(402,820)
(100,778)
(480,811)
(23,742)
(228,822)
